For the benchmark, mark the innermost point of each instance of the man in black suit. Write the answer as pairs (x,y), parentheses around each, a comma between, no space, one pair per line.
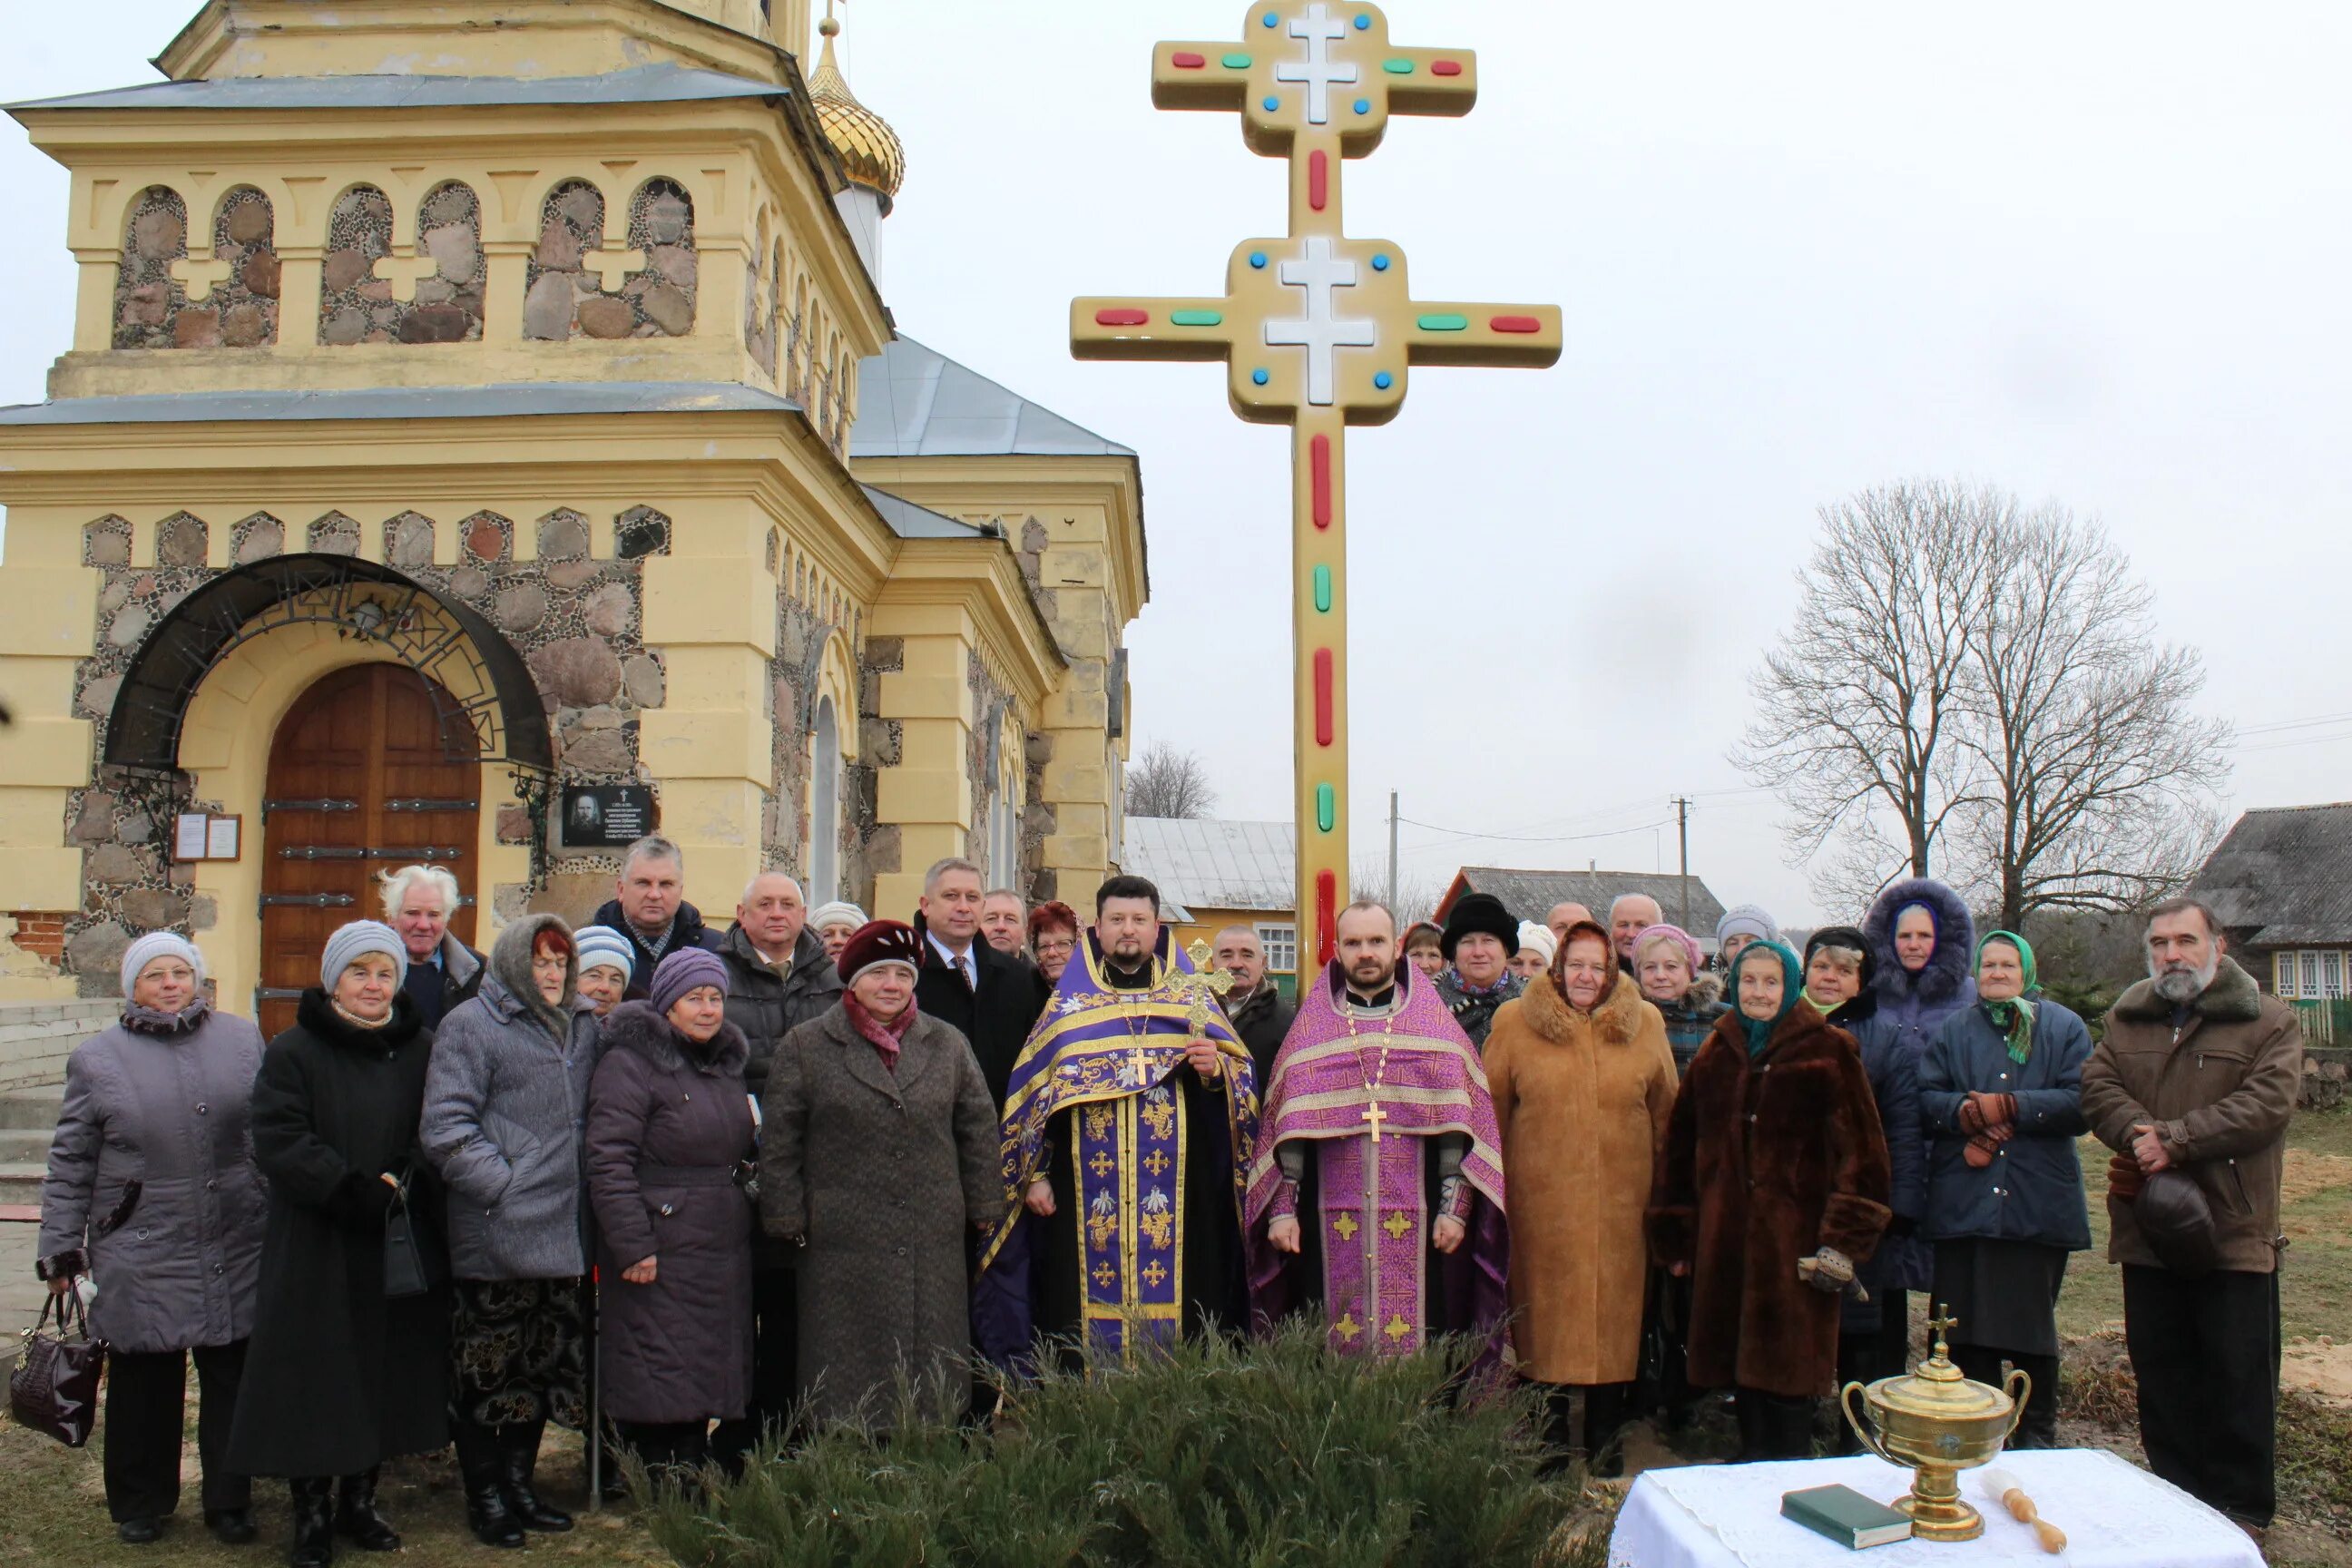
(993,999)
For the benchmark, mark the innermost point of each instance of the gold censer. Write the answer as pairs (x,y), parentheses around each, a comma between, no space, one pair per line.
(1936,1423)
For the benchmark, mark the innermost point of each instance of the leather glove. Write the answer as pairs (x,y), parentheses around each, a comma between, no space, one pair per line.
(2123,1178)
(1830,1271)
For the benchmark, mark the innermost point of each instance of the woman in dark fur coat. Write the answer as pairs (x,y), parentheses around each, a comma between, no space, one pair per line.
(1774,1188)
(1923,943)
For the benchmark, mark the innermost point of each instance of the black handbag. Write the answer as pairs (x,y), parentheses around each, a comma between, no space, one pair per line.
(55,1387)
(403,1260)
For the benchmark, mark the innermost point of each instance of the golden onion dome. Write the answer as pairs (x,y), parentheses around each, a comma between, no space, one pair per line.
(871,153)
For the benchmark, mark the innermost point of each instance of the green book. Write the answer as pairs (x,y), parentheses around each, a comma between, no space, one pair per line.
(1845,1516)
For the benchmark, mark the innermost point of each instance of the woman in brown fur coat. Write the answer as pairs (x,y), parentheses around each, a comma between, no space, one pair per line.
(1774,1185)
(1583,1080)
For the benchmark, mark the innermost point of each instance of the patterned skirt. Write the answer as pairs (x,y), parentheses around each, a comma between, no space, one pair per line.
(519,1351)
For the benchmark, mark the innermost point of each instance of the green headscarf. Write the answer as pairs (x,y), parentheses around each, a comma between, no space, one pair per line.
(1792,992)
(2013,1018)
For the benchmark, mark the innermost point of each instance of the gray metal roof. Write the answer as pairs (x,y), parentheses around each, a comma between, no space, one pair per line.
(1530,895)
(638,84)
(1216,864)
(523,398)
(2282,877)
(915,402)
(908,521)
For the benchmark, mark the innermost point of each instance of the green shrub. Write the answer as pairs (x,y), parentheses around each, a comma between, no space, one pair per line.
(1213,1455)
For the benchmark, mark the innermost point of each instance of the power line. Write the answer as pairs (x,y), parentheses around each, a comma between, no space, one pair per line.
(1459,835)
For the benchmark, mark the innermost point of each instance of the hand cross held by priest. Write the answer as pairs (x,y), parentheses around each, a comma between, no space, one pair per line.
(1129,1126)
(1376,1198)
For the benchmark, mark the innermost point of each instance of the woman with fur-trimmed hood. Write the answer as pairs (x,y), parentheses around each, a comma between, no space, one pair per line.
(1774,1187)
(1582,1082)
(1924,942)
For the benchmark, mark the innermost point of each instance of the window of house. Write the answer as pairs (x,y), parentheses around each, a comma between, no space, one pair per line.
(2310,974)
(2282,974)
(2331,975)
(1281,943)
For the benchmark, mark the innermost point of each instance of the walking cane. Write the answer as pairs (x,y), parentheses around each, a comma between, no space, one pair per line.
(595,1380)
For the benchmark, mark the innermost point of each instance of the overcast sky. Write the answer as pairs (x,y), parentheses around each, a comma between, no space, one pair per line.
(2095,253)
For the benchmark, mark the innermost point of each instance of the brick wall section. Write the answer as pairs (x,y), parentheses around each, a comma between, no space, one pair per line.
(41,932)
(36,1037)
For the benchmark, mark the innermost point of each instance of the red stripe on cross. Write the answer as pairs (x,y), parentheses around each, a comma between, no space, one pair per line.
(1122,318)
(1319,464)
(1323,704)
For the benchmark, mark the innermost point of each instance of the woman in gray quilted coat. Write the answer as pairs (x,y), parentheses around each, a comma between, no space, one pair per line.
(153,1191)
(505,1100)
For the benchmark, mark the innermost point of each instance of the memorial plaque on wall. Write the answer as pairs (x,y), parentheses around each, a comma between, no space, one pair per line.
(606,816)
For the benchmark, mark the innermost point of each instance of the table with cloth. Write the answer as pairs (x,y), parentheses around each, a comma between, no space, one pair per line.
(2115,1514)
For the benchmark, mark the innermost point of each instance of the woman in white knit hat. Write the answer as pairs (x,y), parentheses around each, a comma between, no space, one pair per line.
(605,959)
(1537,948)
(153,1192)
(835,924)
(349,1359)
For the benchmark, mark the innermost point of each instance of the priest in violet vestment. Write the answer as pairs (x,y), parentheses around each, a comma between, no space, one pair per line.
(1129,1121)
(1376,1199)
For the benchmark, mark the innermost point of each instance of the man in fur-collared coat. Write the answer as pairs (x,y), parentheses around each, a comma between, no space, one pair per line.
(1774,1186)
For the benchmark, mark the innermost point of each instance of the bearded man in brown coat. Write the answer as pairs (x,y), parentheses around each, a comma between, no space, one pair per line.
(2197,1077)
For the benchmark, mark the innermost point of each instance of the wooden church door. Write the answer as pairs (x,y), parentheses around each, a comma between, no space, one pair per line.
(359,785)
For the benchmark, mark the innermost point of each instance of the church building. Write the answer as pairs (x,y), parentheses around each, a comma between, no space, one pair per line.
(483,438)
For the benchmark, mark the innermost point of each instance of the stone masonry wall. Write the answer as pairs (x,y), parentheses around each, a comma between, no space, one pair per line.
(564,295)
(146,297)
(576,620)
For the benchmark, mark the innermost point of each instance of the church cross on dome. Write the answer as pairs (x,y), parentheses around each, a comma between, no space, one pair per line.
(1317,332)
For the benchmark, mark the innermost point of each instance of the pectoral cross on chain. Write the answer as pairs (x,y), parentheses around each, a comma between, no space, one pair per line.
(1375,1115)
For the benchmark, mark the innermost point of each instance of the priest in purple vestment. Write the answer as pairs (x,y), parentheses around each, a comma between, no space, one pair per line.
(1376,1198)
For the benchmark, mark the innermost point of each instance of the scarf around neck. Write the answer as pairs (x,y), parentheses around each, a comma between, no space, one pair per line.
(149,1021)
(1479,992)
(886,1039)
(2012,1016)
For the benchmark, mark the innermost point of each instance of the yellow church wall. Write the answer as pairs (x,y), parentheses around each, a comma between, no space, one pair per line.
(754,195)
(462,37)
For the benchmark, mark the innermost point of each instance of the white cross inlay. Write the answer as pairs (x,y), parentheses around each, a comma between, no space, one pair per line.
(1319,72)
(1321,331)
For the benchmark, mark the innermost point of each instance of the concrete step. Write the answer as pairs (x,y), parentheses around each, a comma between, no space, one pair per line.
(20,1180)
(18,1144)
(22,1109)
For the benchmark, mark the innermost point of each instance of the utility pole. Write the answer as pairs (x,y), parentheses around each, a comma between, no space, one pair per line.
(1682,831)
(1392,855)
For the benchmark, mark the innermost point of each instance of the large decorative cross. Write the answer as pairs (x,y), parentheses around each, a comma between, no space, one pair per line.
(1317,331)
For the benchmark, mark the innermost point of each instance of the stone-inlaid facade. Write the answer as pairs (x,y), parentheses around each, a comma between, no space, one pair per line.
(582,391)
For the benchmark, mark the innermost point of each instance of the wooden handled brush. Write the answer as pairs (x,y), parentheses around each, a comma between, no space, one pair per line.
(2003,1488)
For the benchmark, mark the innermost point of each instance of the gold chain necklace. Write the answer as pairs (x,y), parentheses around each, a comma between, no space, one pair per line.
(1372,1114)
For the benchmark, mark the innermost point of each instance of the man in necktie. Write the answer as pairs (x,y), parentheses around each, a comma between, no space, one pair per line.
(964,981)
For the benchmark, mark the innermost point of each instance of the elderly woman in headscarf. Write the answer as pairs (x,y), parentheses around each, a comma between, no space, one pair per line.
(1423,946)
(2002,1091)
(606,956)
(883,1279)
(1582,1083)
(1741,924)
(1874,1328)
(1537,948)
(1922,938)
(153,1191)
(1666,967)
(835,924)
(1773,1189)
(503,1104)
(669,1147)
(342,1374)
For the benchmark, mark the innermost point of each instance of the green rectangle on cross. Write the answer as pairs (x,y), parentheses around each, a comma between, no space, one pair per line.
(1397,68)
(1445,323)
(1196,318)
(1236,62)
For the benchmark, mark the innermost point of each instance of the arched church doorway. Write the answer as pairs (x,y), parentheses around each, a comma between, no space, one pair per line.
(359,783)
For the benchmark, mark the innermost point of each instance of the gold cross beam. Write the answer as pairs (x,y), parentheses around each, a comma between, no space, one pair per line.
(1319,331)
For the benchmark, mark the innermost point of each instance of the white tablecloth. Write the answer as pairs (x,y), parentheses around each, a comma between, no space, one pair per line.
(2115,1515)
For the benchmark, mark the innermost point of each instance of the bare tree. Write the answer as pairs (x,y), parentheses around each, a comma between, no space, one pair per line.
(1165,782)
(1417,891)
(2095,789)
(1977,692)
(1860,702)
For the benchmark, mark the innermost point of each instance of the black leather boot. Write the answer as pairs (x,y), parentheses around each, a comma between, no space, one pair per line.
(2038,1429)
(356,1519)
(231,1526)
(480,1465)
(519,1448)
(314,1521)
